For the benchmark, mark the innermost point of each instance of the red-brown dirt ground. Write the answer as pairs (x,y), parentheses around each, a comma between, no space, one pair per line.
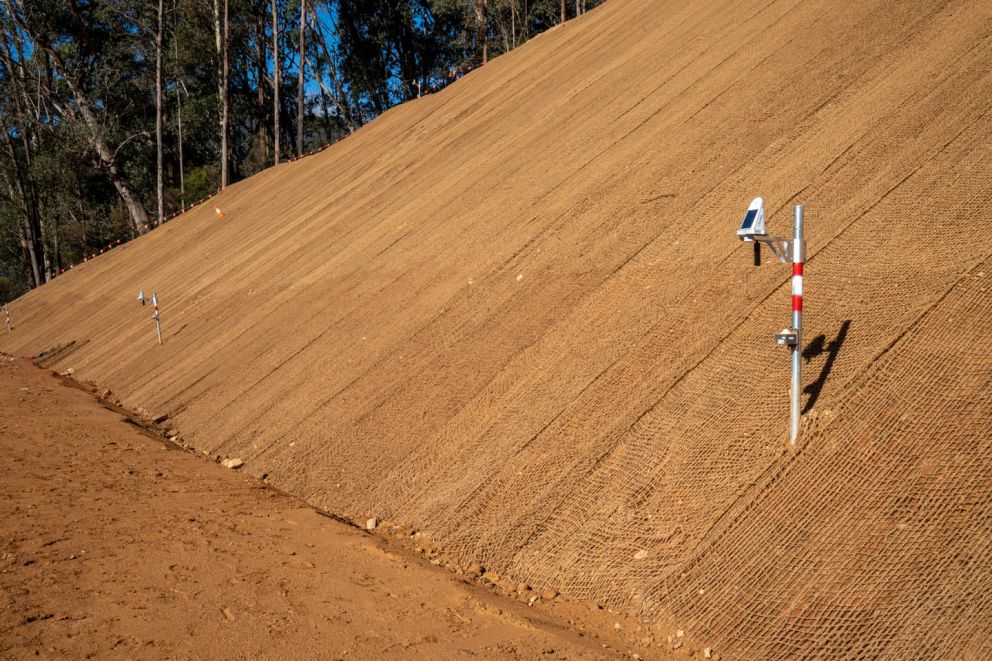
(115,544)
(514,316)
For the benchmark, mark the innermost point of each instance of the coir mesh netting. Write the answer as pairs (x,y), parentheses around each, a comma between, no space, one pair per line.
(514,316)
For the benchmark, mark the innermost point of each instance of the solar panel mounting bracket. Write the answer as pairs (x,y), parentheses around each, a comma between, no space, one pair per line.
(752,230)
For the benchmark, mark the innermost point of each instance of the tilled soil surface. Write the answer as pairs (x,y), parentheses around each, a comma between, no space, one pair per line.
(514,316)
(114,543)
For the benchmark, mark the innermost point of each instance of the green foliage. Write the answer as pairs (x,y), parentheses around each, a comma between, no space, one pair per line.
(201,182)
(60,199)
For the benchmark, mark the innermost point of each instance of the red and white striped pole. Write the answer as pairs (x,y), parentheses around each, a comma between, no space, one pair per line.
(158,324)
(798,258)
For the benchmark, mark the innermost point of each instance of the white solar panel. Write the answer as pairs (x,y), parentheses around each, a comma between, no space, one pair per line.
(753,224)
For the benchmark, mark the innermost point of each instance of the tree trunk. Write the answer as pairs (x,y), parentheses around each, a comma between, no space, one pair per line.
(327,115)
(30,259)
(220,43)
(108,160)
(275,80)
(299,92)
(260,74)
(227,100)
(179,110)
(28,238)
(45,252)
(513,22)
(56,251)
(158,111)
(339,99)
(329,95)
(22,188)
(482,29)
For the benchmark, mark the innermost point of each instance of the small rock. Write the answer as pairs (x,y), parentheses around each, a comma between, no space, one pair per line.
(69,372)
(680,633)
(522,587)
(159,419)
(676,644)
(228,614)
(640,555)
(548,595)
(707,652)
(106,393)
(616,625)
(475,569)
(232,463)
(371,523)
(492,577)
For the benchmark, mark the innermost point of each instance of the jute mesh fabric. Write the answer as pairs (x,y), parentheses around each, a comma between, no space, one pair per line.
(514,316)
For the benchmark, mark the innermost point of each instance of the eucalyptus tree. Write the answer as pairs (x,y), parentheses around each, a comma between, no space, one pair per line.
(93,51)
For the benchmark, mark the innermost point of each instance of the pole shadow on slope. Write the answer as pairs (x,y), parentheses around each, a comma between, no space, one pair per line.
(817,347)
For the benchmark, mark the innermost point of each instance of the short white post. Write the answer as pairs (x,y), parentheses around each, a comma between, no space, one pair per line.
(158,323)
(6,315)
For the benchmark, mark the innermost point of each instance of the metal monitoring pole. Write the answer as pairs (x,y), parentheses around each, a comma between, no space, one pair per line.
(753,230)
(798,257)
(158,323)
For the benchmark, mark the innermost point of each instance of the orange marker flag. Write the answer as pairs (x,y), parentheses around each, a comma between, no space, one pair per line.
(220,213)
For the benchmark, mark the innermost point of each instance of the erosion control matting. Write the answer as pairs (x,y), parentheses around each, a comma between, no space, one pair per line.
(514,315)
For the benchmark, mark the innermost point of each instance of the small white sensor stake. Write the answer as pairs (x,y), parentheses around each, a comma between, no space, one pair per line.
(141,296)
(158,322)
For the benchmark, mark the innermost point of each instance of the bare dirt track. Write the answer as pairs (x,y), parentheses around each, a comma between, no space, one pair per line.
(116,544)
(514,316)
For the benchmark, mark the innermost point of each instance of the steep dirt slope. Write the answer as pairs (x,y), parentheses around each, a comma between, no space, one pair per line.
(514,314)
